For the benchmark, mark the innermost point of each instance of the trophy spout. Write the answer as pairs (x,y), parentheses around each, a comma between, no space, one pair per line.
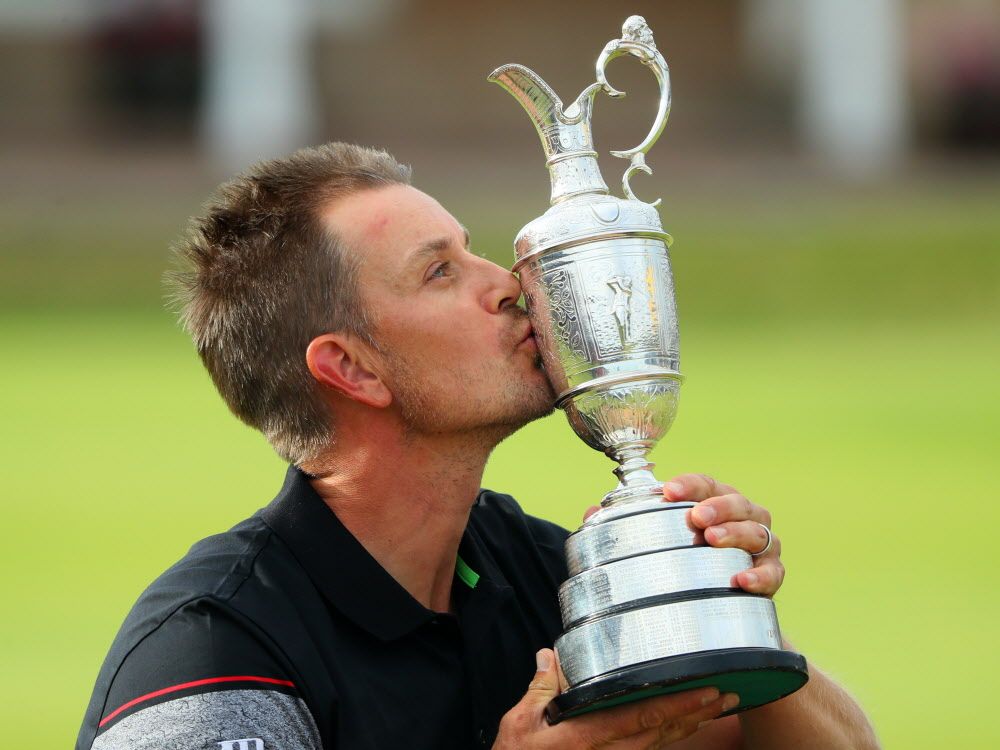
(565,133)
(536,96)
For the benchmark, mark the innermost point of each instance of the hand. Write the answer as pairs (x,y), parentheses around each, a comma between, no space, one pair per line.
(643,725)
(730,520)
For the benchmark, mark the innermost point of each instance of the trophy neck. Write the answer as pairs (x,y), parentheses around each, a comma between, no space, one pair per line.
(575,173)
(635,475)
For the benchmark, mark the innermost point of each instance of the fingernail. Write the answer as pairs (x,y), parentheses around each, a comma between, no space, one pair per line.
(543,660)
(751,579)
(731,700)
(719,533)
(710,696)
(676,489)
(705,514)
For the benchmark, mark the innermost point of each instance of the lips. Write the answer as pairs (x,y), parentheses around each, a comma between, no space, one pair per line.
(529,334)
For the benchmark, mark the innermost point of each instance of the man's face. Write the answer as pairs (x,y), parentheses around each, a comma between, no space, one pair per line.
(456,351)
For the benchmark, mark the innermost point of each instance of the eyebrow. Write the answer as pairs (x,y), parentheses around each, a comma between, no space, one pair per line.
(433,247)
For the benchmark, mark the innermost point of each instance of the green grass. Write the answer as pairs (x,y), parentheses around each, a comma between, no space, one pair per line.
(842,370)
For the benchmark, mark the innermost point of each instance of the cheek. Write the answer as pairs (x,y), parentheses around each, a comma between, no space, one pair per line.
(459,337)
(459,332)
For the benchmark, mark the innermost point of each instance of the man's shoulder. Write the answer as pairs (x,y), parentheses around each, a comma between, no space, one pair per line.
(201,634)
(216,568)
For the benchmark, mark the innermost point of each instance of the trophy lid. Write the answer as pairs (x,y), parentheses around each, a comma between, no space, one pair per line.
(587,218)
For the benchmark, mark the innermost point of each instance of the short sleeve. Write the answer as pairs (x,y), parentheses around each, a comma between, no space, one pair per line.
(205,678)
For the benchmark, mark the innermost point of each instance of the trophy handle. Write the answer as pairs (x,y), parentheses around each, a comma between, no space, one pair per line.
(637,40)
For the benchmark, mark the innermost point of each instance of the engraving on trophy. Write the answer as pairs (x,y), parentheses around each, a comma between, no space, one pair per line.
(675,571)
(621,286)
(667,309)
(667,630)
(564,309)
(627,414)
(623,315)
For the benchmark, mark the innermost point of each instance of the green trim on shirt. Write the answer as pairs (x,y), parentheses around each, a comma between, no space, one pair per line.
(469,577)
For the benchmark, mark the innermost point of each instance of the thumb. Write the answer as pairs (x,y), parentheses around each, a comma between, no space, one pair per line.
(545,684)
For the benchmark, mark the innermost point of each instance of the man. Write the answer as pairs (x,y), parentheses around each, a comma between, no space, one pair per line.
(383,600)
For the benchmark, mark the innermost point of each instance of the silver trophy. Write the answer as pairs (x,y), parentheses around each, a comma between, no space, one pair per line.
(649,607)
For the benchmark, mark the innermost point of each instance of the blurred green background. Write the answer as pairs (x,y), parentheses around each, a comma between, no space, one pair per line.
(839,337)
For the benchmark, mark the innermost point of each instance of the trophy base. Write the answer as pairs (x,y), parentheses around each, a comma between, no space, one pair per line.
(757,675)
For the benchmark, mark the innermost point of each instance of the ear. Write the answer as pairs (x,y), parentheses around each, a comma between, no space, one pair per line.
(339,361)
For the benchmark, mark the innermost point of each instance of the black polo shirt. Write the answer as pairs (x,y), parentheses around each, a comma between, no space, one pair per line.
(285,633)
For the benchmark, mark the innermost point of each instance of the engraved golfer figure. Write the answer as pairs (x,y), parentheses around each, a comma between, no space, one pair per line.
(622,287)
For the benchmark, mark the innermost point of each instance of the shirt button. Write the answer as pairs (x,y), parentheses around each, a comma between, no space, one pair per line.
(482,736)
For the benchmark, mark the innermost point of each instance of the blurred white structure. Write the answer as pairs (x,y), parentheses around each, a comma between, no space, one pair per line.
(843,59)
(259,96)
(853,83)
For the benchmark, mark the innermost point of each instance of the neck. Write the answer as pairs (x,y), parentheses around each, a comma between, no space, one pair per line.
(407,499)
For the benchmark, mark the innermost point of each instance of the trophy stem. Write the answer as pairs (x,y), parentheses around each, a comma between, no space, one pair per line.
(634,472)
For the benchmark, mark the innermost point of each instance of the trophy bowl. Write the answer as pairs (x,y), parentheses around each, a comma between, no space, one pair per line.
(649,608)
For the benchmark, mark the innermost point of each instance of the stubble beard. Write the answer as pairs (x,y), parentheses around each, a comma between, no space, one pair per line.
(434,408)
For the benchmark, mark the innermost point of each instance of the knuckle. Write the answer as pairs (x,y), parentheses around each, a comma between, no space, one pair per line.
(670,730)
(766,516)
(771,578)
(696,485)
(651,717)
(761,535)
(744,506)
(538,684)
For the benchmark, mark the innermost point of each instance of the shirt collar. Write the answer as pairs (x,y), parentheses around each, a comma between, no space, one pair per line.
(340,567)
(351,579)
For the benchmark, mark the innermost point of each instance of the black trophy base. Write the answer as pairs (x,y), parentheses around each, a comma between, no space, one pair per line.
(757,675)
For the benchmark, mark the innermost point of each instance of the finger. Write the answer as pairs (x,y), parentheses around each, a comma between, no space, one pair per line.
(678,729)
(609,725)
(544,685)
(590,511)
(729,507)
(763,579)
(749,536)
(694,488)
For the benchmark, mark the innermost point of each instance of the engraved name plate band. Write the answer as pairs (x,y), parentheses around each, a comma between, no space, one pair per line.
(649,607)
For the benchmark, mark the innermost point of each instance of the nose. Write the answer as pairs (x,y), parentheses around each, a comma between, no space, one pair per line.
(503,290)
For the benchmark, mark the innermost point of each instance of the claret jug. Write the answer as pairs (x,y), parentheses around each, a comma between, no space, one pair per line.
(649,607)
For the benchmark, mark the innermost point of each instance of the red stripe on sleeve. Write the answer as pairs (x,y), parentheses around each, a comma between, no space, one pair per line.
(195,683)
